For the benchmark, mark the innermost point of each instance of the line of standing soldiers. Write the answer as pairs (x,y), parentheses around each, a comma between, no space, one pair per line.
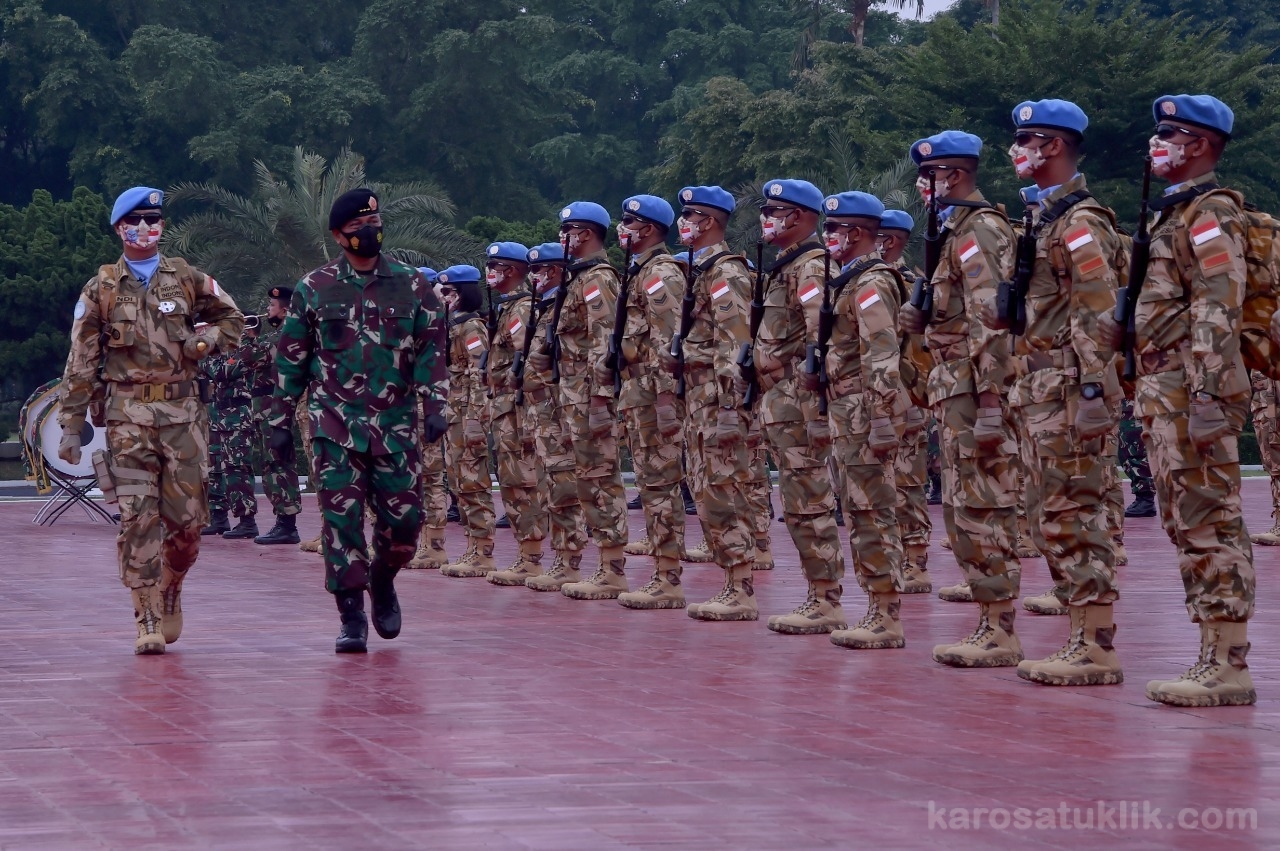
(822,353)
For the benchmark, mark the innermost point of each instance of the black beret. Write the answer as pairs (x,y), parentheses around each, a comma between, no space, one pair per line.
(352,205)
(280,293)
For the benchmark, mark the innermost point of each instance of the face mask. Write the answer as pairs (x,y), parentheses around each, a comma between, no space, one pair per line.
(366,242)
(540,280)
(492,277)
(275,321)
(140,236)
(689,232)
(1025,160)
(772,227)
(1165,156)
(626,237)
(837,242)
(922,186)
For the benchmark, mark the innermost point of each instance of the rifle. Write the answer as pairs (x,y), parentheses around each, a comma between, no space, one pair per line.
(1011,297)
(522,356)
(815,356)
(490,326)
(551,347)
(746,357)
(1127,297)
(922,293)
(686,323)
(613,359)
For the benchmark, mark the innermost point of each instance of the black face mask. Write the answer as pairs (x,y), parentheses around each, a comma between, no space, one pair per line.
(366,242)
(275,321)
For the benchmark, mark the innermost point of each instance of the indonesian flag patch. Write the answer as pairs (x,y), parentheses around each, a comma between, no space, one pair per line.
(809,290)
(868,300)
(969,250)
(591,293)
(213,286)
(1079,238)
(515,325)
(721,289)
(654,285)
(1206,230)
(473,343)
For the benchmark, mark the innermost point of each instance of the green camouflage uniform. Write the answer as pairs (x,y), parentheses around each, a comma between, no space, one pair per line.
(157,428)
(279,481)
(238,441)
(210,368)
(365,348)
(1133,453)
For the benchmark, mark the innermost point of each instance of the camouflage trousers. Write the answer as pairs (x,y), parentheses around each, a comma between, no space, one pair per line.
(279,481)
(513,443)
(720,478)
(346,482)
(599,477)
(808,502)
(1133,454)
(1264,427)
(1199,498)
(979,501)
(556,469)
(911,477)
(658,467)
(870,516)
(759,482)
(1112,487)
(471,481)
(435,496)
(1066,490)
(302,420)
(159,475)
(217,471)
(237,460)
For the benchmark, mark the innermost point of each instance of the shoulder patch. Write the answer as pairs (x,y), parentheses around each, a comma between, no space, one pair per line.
(1210,244)
(809,290)
(590,293)
(868,299)
(79,311)
(968,250)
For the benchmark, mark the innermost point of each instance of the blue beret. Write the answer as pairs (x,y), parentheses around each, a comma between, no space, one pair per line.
(139,197)
(460,275)
(547,252)
(651,208)
(854,204)
(513,251)
(1053,114)
(948,143)
(897,220)
(430,274)
(1201,110)
(801,193)
(708,196)
(586,211)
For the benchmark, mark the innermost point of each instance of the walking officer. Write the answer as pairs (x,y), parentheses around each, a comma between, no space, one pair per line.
(279,481)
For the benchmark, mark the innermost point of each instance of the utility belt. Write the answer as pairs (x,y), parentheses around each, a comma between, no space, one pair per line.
(1062,359)
(1163,361)
(537,395)
(156,392)
(696,376)
(950,351)
(851,386)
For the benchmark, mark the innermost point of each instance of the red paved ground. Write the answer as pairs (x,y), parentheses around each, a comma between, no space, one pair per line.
(509,719)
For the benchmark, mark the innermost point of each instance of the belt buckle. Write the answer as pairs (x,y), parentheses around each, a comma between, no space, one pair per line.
(150,394)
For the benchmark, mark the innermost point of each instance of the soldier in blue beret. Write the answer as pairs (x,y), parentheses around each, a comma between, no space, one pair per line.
(579,218)
(1044,129)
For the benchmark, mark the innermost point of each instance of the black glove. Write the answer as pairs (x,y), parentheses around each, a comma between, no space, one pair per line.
(434,427)
(281,444)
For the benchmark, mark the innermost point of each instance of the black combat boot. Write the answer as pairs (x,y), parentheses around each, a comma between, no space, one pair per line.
(503,522)
(1142,506)
(354,636)
(386,607)
(635,504)
(839,513)
(246,528)
(218,523)
(935,491)
(284,532)
(453,515)
(690,507)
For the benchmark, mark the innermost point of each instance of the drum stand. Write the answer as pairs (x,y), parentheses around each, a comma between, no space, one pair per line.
(69,491)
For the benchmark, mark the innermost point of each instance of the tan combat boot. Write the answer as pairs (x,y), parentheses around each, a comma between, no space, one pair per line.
(478,561)
(735,602)
(961,593)
(945,544)
(430,554)
(529,564)
(147,614)
(171,604)
(820,613)
(1045,604)
(609,581)
(915,575)
(312,546)
(563,570)
(763,554)
(641,547)
(701,554)
(1088,659)
(880,629)
(1025,548)
(992,645)
(1268,539)
(1121,554)
(1220,678)
(663,591)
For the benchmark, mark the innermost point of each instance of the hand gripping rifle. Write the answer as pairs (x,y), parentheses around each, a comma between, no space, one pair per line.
(686,325)
(815,356)
(1127,297)
(922,292)
(522,357)
(551,346)
(746,357)
(614,360)
(1011,297)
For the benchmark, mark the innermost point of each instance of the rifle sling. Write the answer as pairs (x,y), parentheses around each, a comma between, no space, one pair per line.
(1176,198)
(792,255)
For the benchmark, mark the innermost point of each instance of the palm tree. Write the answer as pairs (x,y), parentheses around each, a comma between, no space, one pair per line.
(858,10)
(281,232)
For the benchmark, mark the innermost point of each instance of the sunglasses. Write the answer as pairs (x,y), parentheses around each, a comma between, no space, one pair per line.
(574,228)
(499,266)
(1022,137)
(774,211)
(832,227)
(1168,131)
(136,219)
(628,219)
(924,170)
(690,212)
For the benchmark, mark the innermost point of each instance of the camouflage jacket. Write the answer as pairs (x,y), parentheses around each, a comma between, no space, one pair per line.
(1077,271)
(653,317)
(721,321)
(468,341)
(968,356)
(534,380)
(1188,315)
(586,320)
(1264,397)
(364,347)
(508,340)
(863,355)
(143,335)
(792,306)
(260,361)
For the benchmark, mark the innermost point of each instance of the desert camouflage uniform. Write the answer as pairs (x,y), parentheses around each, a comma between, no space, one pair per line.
(1073,284)
(1264,412)
(980,492)
(157,429)
(513,432)
(279,481)
(1182,350)
(365,348)
(911,466)
(468,463)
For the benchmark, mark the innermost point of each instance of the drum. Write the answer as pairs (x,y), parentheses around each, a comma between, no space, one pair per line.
(41,433)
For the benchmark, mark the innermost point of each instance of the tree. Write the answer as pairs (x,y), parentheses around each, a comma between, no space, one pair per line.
(281,232)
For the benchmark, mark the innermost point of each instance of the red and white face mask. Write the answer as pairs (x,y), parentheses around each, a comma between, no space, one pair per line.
(141,235)
(689,232)
(492,277)
(1026,160)
(1165,155)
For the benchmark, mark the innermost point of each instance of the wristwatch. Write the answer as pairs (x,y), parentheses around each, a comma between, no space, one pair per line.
(1091,391)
